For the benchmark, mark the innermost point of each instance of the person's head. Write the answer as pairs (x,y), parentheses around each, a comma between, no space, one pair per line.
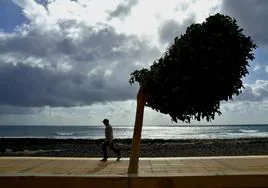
(105,122)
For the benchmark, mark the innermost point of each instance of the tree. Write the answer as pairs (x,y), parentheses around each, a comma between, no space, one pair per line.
(199,70)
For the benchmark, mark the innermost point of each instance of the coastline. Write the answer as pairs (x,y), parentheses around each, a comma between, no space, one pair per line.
(149,147)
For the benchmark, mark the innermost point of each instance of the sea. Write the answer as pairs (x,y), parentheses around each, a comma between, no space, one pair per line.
(148,132)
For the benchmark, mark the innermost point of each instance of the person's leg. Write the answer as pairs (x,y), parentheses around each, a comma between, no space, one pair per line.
(116,150)
(104,149)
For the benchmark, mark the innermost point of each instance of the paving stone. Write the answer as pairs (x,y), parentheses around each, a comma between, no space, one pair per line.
(153,166)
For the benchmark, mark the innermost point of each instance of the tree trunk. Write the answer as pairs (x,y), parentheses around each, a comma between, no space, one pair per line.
(142,96)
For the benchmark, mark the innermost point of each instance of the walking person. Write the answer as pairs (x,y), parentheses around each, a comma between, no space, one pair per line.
(109,142)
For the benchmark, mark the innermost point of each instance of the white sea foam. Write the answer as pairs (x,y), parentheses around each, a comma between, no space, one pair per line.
(248,130)
(64,134)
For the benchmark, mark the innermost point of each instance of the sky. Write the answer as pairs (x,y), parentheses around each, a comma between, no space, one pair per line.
(68,62)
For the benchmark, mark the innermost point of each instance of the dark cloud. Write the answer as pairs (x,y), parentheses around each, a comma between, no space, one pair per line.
(7,109)
(170,29)
(123,9)
(251,15)
(22,85)
(56,69)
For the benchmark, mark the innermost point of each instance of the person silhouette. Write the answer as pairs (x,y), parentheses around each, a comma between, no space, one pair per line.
(109,142)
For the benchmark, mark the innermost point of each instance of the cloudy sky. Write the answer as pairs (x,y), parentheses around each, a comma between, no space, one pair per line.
(67,62)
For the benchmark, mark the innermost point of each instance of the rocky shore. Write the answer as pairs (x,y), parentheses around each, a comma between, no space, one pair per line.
(149,148)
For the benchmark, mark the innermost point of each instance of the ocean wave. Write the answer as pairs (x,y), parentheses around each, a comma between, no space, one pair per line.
(248,131)
(64,134)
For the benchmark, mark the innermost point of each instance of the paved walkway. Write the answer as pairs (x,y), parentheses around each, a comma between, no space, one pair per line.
(190,172)
(147,167)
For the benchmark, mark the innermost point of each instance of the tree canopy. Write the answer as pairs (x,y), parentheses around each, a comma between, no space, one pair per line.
(200,69)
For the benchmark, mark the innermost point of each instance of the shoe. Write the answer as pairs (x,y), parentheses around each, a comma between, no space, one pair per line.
(118,158)
(103,160)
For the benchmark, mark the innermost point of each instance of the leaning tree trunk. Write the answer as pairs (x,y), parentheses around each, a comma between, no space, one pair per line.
(142,96)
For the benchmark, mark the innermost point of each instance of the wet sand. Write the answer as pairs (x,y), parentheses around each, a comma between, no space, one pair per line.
(149,148)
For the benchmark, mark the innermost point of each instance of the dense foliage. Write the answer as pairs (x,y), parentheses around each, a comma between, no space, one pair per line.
(201,68)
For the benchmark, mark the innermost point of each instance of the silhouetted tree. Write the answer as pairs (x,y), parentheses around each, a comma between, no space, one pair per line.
(199,70)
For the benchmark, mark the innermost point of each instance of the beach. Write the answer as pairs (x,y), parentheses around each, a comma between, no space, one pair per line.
(149,147)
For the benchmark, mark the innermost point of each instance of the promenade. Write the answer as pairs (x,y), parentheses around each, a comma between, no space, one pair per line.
(49,172)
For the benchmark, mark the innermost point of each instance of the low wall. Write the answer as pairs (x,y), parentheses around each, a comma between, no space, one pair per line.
(230,181)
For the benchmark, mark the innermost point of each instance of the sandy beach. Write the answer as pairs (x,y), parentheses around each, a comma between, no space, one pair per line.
(149,148)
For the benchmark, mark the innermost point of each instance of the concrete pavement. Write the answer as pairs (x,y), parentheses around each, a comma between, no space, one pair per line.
(236,171)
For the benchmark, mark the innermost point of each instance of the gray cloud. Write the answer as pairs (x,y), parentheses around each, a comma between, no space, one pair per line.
(123,9)
(248,95)
(22,85)
(251,15)
(255,92)
(170,29)
(90,46)
(7,109)
(63,68)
